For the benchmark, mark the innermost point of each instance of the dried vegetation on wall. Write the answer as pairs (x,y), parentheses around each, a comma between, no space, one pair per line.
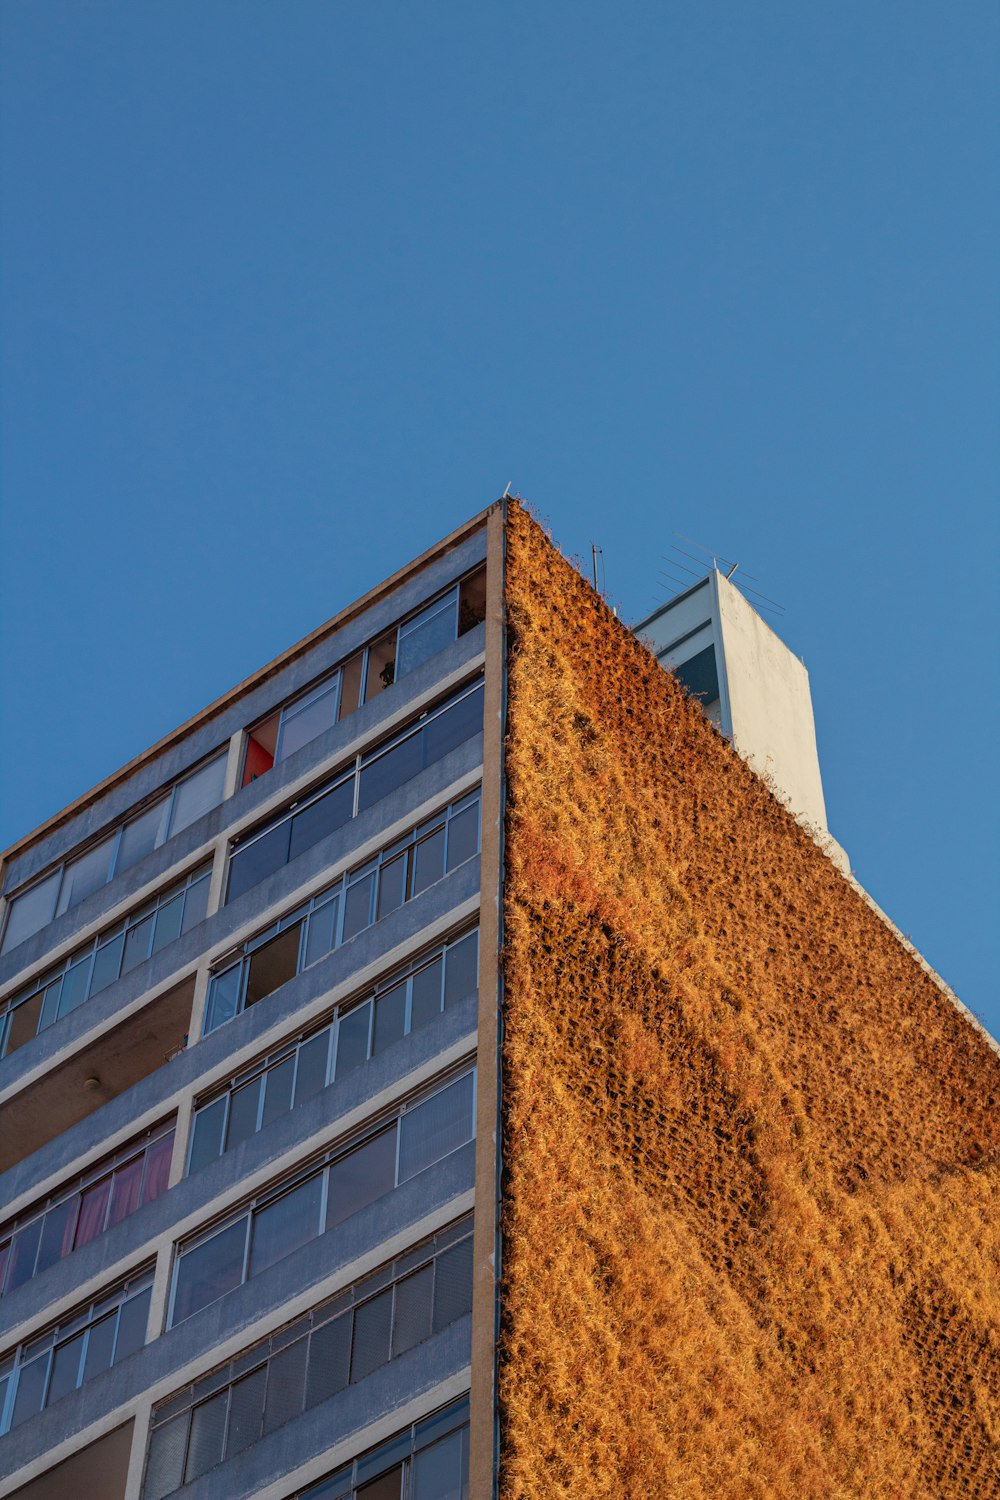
(751,1202)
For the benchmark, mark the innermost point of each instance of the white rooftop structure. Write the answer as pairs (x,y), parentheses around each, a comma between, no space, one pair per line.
(751,686)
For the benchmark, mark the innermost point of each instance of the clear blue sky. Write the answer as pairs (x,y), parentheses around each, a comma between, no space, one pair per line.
(291,289)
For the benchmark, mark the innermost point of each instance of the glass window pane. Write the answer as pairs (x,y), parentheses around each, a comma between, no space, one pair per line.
(137,943)
(100,1346)
(358,906)
(372,1324)
(107,962)
(322,817)
(243,1110)
(426,634)
(167,922)
(93,1213)
(438,1471)
(388,1486)
(157,1173)
(384,1459)
(310,1075)
(428,861)
(65,1369)
(278,1091)
(390,770)
(286,1373)
(75,986)
(50,1004)
(462,969)
(437,1127)
(352,1039)
(141,835)
(196,902)
(329,1360)
(350,684)
(252,863)
(321,934)
(463,836)
(208,1430)
(24,1022)
(472,601)
(209,1271)
(198,794)
(30,911)
(86,875)
(453,1284)
(425,1002)
(223,997)
(206,1142)
(58,1229)
(273,964)
(286,1224)
(165,1464)
(411,1322)
(246,1411)
(30,1389)
(390,1017)
(305,720)
(125,1192)
(453,727)
(361,1177)
(132,1321)
(4,1258)
(381,666)
(23,1252)
(391,885)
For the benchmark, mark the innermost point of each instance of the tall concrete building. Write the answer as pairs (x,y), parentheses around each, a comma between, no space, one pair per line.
(444,1068)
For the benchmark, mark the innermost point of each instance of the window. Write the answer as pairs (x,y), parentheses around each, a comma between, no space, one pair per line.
(364,895)
(84,1209)
(403,1002)
(31,910)
(365,675)
(425,740)
(337,1344)
(319,1197)
(56,1362)
(104,959)
(429,1461)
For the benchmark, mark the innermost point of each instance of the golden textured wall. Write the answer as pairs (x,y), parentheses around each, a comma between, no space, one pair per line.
(751,1199)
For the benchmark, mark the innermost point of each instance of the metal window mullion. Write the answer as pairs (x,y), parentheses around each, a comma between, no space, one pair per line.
(113,861)
(261,1081)
(408,1006)
(169,818)
(323,1200)
(399,1136)
(90,970)
(247,1240)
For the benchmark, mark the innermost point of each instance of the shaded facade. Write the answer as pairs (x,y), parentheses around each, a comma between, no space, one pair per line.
(443,1068)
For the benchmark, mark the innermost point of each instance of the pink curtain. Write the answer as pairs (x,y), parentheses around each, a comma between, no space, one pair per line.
(125,1195)
(93,1209)
(157,1168)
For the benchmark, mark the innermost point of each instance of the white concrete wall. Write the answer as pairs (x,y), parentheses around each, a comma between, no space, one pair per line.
(770,705)
(765,704)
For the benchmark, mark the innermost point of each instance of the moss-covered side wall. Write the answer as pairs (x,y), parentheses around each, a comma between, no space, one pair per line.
(752,1207)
